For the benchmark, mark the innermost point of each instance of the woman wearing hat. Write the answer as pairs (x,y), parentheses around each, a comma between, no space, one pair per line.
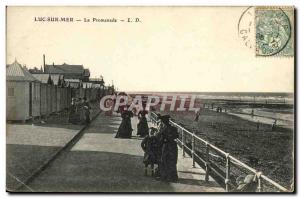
(142,126)
(168,164)
(125,129)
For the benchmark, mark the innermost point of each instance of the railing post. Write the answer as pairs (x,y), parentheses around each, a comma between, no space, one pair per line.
(227,172)
(182,140)
(207,163)
(193,149)
(259,186)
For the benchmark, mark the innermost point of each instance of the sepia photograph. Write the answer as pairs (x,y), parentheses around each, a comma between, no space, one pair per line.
(150,99)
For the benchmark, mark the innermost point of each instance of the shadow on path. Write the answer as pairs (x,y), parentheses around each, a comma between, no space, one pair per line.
(82,171)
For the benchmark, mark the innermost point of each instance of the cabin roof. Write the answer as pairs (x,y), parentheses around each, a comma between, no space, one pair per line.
(15,72)
(64,68)
(43,78)
(56,78)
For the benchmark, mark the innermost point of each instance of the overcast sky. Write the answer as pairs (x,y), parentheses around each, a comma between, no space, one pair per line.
(171,49)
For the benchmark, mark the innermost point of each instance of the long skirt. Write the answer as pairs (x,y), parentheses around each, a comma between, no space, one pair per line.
(168,165)
(142,127)
(125,129)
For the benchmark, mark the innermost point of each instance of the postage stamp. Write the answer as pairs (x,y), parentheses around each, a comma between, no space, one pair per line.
(274,28)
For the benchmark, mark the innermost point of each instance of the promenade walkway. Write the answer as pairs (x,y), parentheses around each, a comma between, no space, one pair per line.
(98,162)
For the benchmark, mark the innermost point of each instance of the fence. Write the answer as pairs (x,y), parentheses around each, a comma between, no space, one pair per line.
(218,163)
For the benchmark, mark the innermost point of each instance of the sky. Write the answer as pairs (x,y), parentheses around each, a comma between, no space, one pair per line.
(170,49)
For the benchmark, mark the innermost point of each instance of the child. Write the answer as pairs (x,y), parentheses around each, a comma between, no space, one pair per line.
(150,147)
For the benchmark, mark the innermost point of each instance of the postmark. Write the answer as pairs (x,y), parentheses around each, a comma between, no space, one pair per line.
(246,27)
(274,31)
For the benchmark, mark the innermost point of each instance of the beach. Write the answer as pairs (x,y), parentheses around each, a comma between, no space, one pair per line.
(271,149)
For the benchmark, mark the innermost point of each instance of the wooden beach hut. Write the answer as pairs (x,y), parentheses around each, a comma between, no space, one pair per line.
(87,87)
(45,80)
(95,92)
(58,83)
(68,94)
(53,98)
(75,86)
(23,93)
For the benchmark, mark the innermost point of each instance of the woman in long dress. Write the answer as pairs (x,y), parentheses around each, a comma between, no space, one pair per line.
(125,128)
(168,165)
(142,126)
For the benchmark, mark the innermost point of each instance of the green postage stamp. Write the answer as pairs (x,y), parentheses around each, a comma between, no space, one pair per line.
(274,28)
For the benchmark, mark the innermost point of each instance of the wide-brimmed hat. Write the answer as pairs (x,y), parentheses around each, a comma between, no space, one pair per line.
(164,118)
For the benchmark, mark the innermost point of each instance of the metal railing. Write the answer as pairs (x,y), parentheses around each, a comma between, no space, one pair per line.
(209,153)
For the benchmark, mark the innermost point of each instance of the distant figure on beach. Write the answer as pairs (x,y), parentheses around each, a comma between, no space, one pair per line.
(150,147)
(125,129)
(142,126)
(197,115)
(257,125)
(252,113)
(168,164)
(274,124)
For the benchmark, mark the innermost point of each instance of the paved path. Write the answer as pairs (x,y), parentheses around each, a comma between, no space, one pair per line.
(98,162)
(28,147)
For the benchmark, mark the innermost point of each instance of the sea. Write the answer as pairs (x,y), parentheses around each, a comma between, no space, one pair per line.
(263,107)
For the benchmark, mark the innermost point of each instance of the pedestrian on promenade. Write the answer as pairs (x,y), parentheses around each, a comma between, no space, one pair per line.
(169,154)
(86,107)
(142,126)
(159,138)
(150,148)
(80,110)
(125,129)
(74,117)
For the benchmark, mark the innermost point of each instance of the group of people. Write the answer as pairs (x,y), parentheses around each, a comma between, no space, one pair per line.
(125,128)
(160,148)
(159,144)
(79,111)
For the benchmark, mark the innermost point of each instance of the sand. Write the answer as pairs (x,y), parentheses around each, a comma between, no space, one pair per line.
(271,149)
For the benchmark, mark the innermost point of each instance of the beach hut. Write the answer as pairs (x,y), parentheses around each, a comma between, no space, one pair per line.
(58,83)
(46,81)
(75,86)
(68,94)
(23,93)
(87,87)
(53,98)
(95,92)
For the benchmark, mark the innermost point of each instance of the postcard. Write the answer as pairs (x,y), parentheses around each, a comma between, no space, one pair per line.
(150,99)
